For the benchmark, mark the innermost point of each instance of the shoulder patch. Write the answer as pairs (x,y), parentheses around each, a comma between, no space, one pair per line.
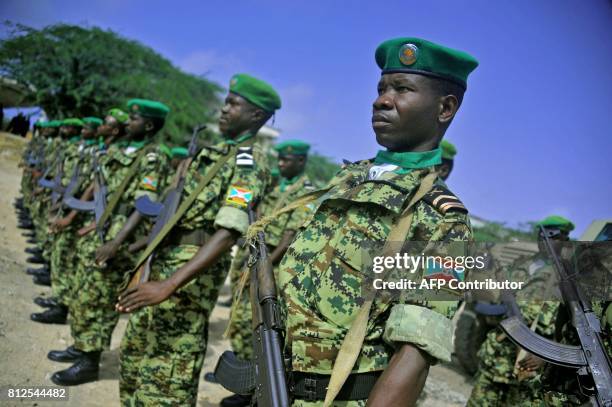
(444,200)
(308,185)
(244,157)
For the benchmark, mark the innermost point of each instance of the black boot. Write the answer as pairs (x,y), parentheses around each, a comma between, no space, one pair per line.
(55,315)
(27,233)
(227,303)
(85,370)
(37,272)
(32,240)
(70,354)
(46,302)
(33,250)
(36,259)
(42,279)
(25,225)
(236,400)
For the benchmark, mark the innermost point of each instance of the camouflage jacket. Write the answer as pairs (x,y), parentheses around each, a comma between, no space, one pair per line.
(321,274)
(223,202)
(275,199)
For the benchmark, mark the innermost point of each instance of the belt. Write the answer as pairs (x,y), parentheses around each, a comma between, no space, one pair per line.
(178,236)
(313,387)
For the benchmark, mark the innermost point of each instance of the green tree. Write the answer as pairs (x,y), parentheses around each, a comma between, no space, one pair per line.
(78,71)
(320,169)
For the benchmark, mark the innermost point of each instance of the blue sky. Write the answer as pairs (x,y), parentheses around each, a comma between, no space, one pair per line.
(533,133)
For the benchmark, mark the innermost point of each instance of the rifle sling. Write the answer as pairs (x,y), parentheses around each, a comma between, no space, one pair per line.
(114,200)
(185,205)
(351,345)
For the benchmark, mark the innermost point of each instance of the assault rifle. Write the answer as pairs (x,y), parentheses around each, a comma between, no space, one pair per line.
(98,204)
(589,359)
(264,377)
(56,183)
(165,210)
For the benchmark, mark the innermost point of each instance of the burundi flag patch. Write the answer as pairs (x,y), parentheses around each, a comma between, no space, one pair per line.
(444,268)
(239,196)
(149,183)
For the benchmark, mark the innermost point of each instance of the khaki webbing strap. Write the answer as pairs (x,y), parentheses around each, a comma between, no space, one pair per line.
(288,191)
(186,204)
(353,341)
(114,200)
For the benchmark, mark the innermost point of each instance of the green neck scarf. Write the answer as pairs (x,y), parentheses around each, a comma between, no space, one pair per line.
(74,139)
(239,139)
(285,182)
(410,160)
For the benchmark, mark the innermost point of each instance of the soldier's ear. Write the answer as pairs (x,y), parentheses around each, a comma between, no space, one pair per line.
(149,126)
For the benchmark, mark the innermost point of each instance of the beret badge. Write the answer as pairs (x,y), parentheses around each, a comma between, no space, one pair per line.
(408,54)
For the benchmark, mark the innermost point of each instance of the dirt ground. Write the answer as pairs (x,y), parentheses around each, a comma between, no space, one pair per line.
(24,344)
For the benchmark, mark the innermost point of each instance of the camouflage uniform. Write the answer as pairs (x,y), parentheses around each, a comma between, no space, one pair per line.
(93,311)
(163,348)
(240,332)
(321,274)
(62,254)
(496,384)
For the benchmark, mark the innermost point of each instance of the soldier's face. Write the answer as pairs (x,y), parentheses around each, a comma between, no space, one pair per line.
(405,115)
(237,115)
(88,133)
(106,129)
(291,165)
(69,131)
(136,126)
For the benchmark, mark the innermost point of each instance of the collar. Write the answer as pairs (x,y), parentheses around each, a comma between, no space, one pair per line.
(239,140)
(285,182)
(410,160)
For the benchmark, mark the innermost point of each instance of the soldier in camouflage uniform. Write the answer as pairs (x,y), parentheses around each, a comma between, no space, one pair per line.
(398,193)
(163,349)
(62,256)
(449,151)
(133,170)
(60,148)
(501,380)
(293,183)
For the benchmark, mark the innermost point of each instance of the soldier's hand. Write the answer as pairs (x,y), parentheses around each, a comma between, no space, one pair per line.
(106,252)
(531,362)
(60,224)
(143,295)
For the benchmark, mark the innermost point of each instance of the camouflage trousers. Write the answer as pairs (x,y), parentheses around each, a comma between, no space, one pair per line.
(93,310)
(495,383)
(63,264)
(163,348)
(240,332)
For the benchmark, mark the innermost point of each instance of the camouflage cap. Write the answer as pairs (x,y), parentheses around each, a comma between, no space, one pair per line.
(449,151)
(256,91)
(418,56)
(293,147)
(556,221)
(148,108)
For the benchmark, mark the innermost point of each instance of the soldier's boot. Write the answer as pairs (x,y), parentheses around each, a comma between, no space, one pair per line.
(39,271)
(86,369)
(227,303)
(31,240)
(36,259)
(46,302)
(55,315)
(25,225)
(70,354)
(42,279)
(33,250)
(27,233)
(236,400)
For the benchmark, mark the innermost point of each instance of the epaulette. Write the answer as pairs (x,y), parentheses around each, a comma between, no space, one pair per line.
(444,200)
(308,185)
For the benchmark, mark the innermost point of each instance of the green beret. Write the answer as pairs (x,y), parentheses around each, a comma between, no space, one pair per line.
(121,116)
(558,222)
(294,147)
(53,123)
(93,122)
(415,55)
(72,122)
(42,125)
(179,152)
(148,108)
(449,151)
(256,91)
